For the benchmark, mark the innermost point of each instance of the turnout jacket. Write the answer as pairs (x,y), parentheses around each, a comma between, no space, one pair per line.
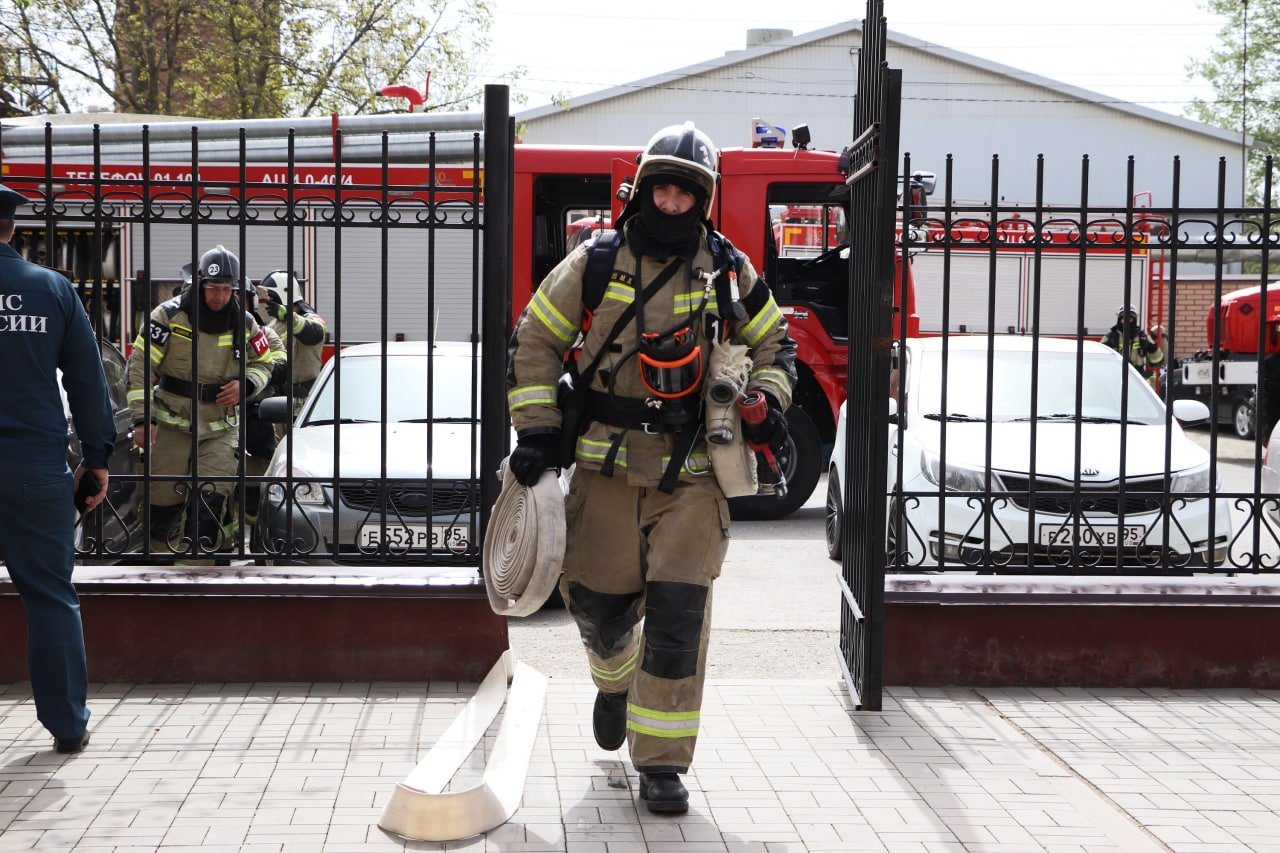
(551,324)
(170,353)
(305,331)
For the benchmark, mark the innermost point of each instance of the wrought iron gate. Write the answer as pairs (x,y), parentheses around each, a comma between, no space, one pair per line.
(872,181)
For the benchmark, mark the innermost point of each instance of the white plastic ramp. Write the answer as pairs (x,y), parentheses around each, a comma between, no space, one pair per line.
(421,808)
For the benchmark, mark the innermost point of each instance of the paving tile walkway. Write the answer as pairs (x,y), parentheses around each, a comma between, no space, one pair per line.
(782,766)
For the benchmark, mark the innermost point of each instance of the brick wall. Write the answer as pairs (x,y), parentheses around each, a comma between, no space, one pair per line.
(1195,297)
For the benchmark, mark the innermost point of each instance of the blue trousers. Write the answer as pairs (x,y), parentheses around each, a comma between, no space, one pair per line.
(37,526)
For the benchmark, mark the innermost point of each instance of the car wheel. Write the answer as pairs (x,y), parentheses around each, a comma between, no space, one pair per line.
(801,461)
(1242,419)
(835,517)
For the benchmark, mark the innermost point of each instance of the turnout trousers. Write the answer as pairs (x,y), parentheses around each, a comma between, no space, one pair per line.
(638,570)
(171,454)
(37,529)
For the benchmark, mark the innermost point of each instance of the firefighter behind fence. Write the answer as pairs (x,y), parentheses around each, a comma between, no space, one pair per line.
(260,437)
(647,521)
(283,308)
(1128,338)
(206,321)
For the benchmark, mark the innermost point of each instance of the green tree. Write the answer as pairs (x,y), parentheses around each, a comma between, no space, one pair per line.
(1246,82)
(252,58)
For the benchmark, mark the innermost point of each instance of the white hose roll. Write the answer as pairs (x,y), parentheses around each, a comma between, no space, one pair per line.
(524,544)
(732,461)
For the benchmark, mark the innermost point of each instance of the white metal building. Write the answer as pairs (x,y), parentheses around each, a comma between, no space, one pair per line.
(953,103)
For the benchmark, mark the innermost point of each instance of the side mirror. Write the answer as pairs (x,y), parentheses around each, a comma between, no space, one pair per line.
(1190,412)
(275,410)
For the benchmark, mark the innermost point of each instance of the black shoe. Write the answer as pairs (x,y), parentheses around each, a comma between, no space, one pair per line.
(664,793)
(609,720)
(70,745)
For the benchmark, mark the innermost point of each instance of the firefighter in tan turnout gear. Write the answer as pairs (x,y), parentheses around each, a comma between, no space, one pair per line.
(260,437)
(284,310)
(647,521)
(297,336)
(206,321)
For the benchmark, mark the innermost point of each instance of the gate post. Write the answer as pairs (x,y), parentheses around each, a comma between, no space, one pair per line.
(499,132)
(872,180)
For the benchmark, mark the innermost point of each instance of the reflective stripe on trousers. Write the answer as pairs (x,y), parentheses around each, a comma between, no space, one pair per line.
(638,570)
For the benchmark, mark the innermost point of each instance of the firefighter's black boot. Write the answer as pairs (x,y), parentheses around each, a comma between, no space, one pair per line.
(609,720)
(664,793)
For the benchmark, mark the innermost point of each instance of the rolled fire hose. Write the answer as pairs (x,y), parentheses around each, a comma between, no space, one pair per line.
(524,544)
(732,461)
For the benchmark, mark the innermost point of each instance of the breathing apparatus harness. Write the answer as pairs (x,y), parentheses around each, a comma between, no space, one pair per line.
(670,363)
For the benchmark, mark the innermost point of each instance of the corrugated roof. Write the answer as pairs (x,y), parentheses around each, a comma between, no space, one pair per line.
(751,54)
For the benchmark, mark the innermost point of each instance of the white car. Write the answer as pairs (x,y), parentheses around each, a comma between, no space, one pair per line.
(425,503)
(983,510)
(1271,475)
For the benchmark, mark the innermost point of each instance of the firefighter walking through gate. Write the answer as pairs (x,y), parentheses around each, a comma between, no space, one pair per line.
(647,521)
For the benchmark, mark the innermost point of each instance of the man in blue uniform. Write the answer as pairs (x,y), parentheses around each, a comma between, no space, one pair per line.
(43,327)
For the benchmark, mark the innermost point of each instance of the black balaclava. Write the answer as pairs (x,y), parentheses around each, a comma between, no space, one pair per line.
(662,235)
(211,322)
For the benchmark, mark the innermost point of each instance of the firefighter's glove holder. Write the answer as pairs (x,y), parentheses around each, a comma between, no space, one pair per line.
(533,455)
(772,430)
(732,462)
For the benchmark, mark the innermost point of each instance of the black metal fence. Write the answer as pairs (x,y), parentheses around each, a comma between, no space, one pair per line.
(1037,430)
(871,188)
(385,462)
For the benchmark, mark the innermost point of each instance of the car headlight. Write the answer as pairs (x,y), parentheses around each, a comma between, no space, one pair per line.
(1193,481)
(958,478)
(304,494)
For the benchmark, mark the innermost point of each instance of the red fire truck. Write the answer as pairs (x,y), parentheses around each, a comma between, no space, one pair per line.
(1233,366)
(556,189)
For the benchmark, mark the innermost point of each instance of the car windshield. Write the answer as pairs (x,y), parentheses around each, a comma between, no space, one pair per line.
(406,390)
(966,388)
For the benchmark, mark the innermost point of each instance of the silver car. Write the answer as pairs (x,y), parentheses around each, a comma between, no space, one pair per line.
(333,494)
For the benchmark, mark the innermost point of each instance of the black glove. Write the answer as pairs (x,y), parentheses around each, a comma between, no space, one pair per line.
(280,374)
(279,310)
(772,430)
(533,455)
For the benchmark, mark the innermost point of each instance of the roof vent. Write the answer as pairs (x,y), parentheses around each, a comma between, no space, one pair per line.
(757,37)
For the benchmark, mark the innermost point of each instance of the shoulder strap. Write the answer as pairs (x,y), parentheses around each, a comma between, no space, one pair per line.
(659,280)
(728,261)
(601,253)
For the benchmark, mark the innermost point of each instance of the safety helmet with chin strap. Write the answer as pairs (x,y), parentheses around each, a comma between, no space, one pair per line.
(219,264)
(279,285)
(685,151)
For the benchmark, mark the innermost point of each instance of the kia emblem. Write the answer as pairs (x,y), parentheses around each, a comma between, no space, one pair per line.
(1089,472)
